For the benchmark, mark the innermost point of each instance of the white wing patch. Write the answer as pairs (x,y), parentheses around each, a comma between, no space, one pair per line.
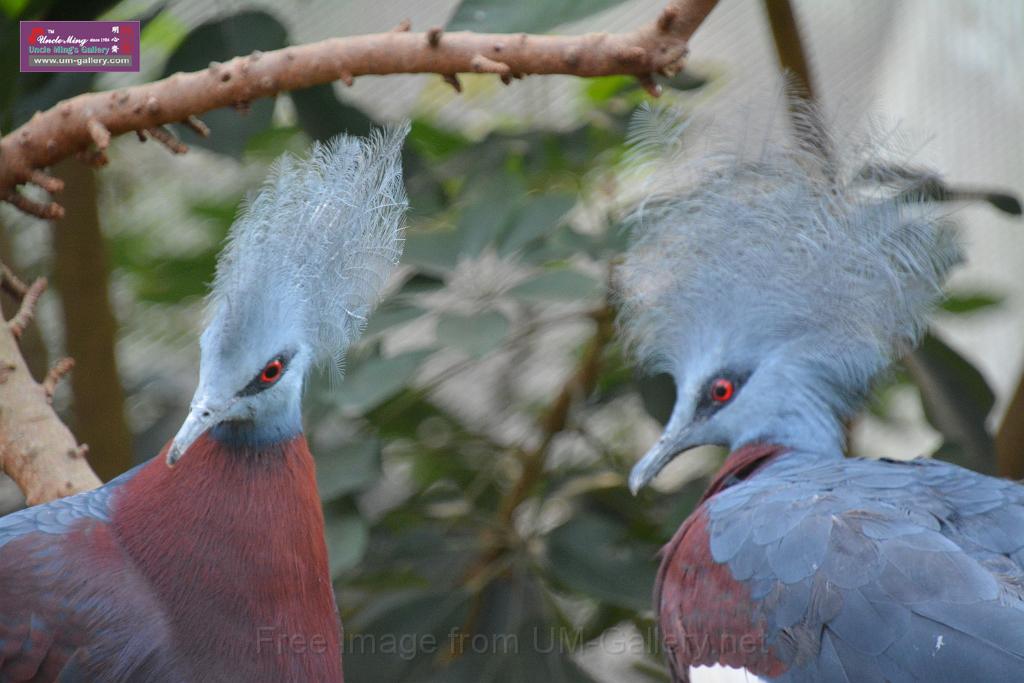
(722,674)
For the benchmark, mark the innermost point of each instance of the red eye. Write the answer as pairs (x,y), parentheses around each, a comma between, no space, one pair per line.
(272,372)
(722,390)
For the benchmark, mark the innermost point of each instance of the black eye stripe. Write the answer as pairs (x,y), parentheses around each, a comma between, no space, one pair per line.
(706,403)
(257,384)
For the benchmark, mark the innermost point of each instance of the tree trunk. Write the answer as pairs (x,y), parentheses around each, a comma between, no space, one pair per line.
(82,277)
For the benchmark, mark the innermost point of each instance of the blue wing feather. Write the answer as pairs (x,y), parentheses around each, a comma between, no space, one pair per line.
(67,597)
(57,516)
(871,570)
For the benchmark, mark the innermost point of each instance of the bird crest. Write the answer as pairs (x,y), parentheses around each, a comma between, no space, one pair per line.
(308,256)
(757,244)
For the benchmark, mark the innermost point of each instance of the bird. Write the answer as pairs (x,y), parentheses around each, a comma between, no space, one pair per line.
(774,284)
(208,562)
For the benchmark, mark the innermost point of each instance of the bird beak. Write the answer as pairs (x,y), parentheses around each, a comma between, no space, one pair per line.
(200,418)
(676,438)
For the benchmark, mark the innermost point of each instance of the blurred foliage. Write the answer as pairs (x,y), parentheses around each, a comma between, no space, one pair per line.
(472,463)
(529,16)
(471,574)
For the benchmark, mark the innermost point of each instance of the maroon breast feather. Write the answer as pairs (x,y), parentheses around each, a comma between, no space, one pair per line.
(706,617)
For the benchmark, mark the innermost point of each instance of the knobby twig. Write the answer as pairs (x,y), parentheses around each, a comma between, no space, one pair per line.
(556,417)
(55,375)
(38,451)
(12,284)
(27,309)
(83,125)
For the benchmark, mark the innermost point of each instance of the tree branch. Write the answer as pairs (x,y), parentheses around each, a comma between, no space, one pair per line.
(38,452)
(82,276)
(84,124)
(792,54)
(1010,438)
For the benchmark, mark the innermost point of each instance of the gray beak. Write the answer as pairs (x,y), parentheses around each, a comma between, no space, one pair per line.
(675,439)
(200,418)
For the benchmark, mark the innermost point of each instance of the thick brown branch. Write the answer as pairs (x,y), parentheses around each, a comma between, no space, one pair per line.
(1010,438)
(73,125)
(790,48)
(81,275)
(38,452)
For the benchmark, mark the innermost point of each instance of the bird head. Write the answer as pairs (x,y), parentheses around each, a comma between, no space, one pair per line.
(773,290)
(303,267)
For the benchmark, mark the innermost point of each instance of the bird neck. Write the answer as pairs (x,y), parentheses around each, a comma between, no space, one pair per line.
(232,541)
(818,433)
(792,414)
(248,436)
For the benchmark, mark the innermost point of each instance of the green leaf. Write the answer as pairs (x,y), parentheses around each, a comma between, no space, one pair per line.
(591,554)
(13,8)
(540,649)
(273,142)
(658,393)
(433,142)
(347,538)
(482,222)
(541,215)
(376,380)
(391,315)
(970,302)
(171,280)
(323,115)
(401,635)
(683,80)
(564,243)
(956,400)
(494,200)
(477,335)
(558,285)
(600,90)
(419,283)
(165,32)
(353,469)
(219,41)
(435,252)
(222,213)
(528,16)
